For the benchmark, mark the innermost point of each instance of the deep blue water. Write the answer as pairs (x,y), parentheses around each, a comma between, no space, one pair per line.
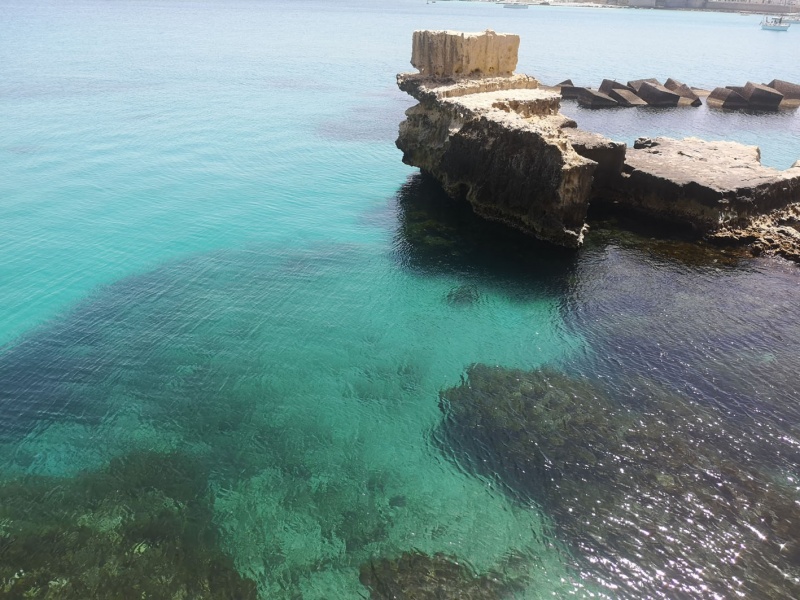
(210,245)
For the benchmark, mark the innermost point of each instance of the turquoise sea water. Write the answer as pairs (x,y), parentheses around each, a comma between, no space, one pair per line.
(210,246)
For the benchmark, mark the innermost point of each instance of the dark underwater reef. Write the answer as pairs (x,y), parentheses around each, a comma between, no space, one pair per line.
(141,528)
(417,575)
(648,492)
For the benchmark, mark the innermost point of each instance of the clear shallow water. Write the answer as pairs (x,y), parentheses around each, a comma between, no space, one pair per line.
(211,247)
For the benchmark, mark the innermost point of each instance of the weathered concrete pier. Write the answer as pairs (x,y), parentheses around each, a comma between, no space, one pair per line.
(497,139)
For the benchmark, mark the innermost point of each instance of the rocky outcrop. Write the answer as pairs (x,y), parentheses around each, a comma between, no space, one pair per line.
(774,234)
(608,154)
(497,141)
(704,185)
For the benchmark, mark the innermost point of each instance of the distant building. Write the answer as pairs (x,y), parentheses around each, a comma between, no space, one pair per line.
(771,6)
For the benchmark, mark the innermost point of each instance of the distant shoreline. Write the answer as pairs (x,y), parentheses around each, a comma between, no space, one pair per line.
(745,8)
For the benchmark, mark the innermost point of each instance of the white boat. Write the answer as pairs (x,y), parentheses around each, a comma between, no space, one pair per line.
(774,24)
(515,4)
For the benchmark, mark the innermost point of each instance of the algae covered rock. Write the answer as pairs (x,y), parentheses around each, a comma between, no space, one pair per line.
(141,528)
(776,234)
(648,491)
(423,577)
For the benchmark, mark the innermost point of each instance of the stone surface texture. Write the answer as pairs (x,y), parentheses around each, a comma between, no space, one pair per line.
(608,154)
(458,54)
(704,185)
(774,234)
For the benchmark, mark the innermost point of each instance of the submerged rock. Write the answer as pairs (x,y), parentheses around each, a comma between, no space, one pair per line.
(463,295)
(142,528)
(423,577)
(649,492)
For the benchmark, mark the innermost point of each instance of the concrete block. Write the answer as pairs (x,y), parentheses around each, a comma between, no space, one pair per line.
(625,97)
(657,95)
(459,54)
(790,91)
(570,92)
(610,84)
(725,98)
(684,91)
(590,98)
(762,97)
(637,83)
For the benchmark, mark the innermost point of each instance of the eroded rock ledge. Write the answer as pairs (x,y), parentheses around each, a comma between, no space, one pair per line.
(497,139)
(707,185)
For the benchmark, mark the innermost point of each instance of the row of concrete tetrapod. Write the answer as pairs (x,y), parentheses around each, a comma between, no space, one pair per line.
(650,92)
(774,95)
